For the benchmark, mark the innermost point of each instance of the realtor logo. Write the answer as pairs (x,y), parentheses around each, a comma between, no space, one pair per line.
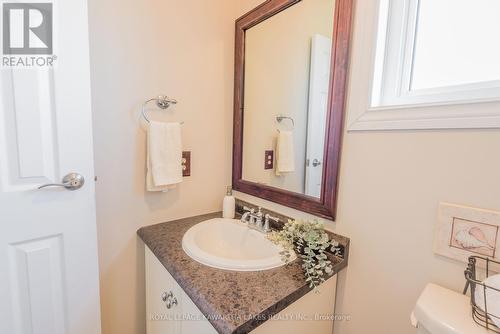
(27,28)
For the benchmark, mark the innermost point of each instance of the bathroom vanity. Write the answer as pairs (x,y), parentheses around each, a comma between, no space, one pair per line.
(185,296)
(291,60)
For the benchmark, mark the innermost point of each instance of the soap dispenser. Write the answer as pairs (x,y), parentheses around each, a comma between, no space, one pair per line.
(228,204)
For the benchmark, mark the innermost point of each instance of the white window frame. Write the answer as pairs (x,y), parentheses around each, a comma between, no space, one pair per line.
(390,54)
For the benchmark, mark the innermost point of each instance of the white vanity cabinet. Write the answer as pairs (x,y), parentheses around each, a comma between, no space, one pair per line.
(169,310)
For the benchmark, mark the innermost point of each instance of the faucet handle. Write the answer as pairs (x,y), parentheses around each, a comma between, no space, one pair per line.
(268,217)
(246,208)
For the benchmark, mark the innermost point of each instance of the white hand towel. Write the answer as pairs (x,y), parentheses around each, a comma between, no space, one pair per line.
(492,298)
(285,154)
(164,156)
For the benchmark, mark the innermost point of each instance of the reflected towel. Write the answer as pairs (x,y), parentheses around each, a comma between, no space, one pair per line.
(492,298)
(285,155)
(164,156)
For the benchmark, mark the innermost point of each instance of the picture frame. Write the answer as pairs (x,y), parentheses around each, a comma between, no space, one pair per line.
(463,231)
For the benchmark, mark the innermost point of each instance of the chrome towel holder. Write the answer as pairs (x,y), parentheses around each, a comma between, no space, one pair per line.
(280,119)
(162,102)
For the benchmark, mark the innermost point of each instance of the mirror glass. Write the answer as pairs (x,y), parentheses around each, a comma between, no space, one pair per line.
(286,88)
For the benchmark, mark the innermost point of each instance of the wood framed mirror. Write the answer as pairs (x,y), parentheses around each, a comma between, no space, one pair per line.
(291,61)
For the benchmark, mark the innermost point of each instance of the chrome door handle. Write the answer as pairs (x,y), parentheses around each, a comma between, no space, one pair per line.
(316,163)
(72,181)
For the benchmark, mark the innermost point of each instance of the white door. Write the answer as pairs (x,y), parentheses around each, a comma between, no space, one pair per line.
(318,103)
(48,248)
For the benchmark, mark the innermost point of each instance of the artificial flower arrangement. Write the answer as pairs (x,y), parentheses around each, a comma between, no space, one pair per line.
(310,242)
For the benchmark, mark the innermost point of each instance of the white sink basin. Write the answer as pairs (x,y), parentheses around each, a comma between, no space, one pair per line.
(229,244)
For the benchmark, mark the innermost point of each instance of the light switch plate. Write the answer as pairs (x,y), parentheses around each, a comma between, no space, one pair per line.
(186,163)
(269,159)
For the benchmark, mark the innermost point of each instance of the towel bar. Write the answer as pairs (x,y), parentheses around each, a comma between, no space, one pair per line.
(162,102)
(280,118)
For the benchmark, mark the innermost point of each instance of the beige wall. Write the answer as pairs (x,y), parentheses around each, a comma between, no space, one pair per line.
(277,66)
(140,49)
(390,187)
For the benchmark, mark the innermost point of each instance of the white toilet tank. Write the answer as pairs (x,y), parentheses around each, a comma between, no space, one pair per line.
(442,311)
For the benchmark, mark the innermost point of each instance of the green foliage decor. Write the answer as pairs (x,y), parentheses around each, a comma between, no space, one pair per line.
(310,241)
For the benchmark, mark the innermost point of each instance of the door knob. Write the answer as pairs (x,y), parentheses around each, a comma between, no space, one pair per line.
(72,181)
(316,163)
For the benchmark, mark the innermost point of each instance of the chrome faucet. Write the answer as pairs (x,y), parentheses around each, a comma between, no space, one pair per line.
(254,219)
(258,219)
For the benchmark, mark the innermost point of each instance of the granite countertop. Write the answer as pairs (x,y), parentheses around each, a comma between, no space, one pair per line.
(234,302)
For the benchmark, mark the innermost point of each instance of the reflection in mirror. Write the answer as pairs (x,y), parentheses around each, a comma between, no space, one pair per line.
(286,83)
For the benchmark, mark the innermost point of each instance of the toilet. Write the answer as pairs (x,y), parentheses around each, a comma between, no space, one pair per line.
(443,311)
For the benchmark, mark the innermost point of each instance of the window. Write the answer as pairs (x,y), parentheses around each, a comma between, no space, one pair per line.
(436,52)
